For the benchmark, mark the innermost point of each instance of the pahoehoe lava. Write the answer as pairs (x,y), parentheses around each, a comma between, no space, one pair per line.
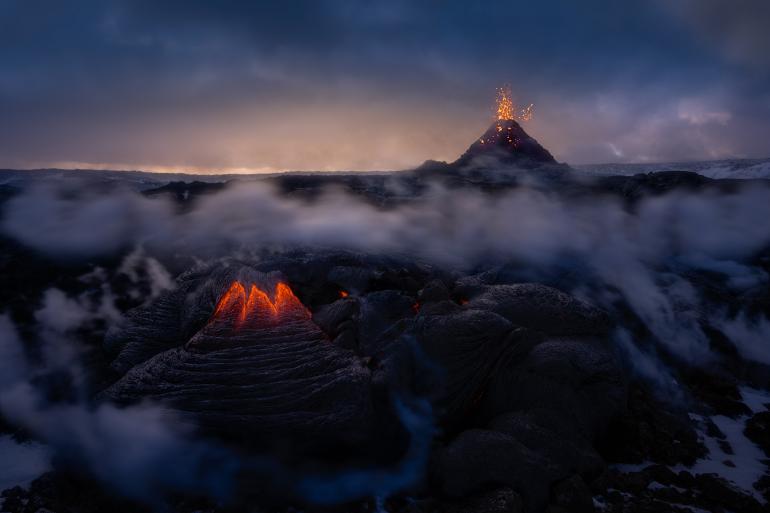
(326,381)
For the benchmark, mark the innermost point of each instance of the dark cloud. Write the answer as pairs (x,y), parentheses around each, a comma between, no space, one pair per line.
(236,84)
(737,29)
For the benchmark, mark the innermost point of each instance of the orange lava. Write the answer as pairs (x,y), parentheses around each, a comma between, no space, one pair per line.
(258,304)
(344,294)
(506,109)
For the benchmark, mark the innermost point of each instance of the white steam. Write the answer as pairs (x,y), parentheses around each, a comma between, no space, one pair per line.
(640,254)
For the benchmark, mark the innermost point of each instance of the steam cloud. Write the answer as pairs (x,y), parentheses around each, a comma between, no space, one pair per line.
(638,255)
(139,451)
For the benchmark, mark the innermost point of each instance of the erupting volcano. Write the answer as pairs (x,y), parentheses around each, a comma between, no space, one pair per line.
(238,306)
(505,141)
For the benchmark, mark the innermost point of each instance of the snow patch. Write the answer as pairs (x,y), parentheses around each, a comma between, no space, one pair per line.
(746,458)
(755,399)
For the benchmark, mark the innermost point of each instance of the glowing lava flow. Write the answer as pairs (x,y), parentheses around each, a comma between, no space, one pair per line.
(258,305)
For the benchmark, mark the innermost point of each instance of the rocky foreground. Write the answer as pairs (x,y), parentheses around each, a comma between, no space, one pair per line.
(493,390)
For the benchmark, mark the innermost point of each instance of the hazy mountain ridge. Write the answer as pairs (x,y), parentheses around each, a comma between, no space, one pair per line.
(726,168)
(144,180)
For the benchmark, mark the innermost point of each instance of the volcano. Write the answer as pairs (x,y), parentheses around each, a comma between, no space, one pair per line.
(506,142)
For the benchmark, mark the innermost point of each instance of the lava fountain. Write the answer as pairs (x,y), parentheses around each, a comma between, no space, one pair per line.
(506,109)
(505,141)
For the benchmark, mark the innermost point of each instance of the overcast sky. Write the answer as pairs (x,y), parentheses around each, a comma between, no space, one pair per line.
(323,84)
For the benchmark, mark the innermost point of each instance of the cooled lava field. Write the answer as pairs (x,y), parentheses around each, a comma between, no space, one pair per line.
(502,333)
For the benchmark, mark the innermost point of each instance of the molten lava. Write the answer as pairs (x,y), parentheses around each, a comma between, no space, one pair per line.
(504,104)
(257,305)
(506,133)
(506,109)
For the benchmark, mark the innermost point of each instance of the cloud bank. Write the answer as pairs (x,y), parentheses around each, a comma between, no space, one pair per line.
(654,259)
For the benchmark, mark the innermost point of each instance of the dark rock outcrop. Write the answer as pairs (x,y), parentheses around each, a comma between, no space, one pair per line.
(758,430)
(542,308)
(480,457)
